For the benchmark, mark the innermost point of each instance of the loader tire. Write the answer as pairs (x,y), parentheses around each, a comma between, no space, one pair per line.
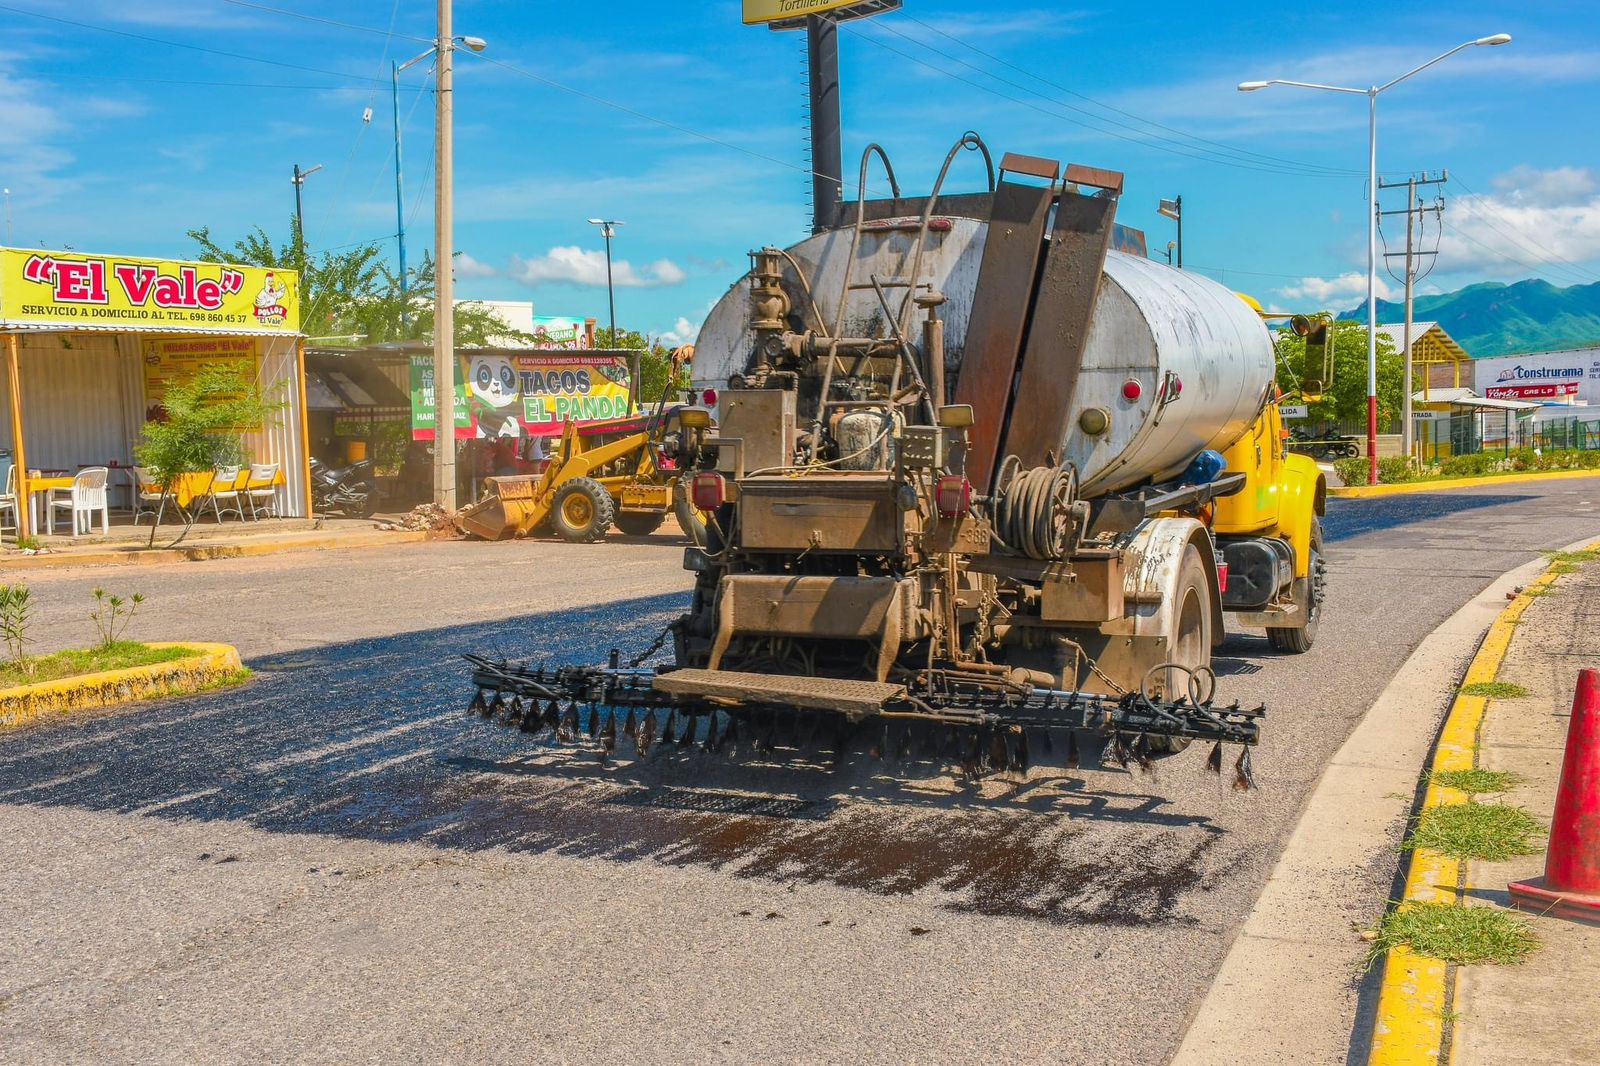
(582,511)
(1308,591)
(640,523)
(691,521)
(1191,638)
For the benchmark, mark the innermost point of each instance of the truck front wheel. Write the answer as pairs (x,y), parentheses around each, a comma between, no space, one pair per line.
(1308,593)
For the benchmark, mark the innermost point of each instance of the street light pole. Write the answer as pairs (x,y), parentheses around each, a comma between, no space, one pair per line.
(444,353)
(1372,217)
(399,197)
(608,230)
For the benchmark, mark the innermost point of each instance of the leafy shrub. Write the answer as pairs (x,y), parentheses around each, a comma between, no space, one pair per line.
(1469,465)
(112,614)
(1352,471)
(16,612)
(1396,468)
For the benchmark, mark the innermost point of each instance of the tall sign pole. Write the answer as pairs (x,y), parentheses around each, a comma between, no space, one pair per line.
(444,349)
(821,23)
(827,158)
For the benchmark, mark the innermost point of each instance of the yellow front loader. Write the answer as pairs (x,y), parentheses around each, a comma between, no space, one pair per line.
(590,484)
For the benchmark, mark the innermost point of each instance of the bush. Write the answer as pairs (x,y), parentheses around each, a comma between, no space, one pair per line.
(1396,468)
(1469,465)
(1352,471)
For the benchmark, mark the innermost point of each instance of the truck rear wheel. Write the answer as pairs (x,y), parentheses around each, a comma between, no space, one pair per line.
(582,511)
(640,523)
(1189,645)
(1308,593)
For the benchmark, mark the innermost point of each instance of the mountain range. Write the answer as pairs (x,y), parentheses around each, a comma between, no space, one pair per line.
(1492,318)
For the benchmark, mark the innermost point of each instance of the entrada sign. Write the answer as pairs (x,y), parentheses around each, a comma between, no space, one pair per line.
(45,288)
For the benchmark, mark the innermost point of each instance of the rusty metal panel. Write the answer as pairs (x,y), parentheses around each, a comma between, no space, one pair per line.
(764,419)
(840,607)
(1089,590)
(820,513)
(1031,165)
(855,698)
(1059,333)
(999,319)
(1096,177)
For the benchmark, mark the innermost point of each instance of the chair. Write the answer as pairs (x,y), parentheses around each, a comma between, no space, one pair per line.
(263,492)
(8,500)
(225,488)
(86,496)
(146,490)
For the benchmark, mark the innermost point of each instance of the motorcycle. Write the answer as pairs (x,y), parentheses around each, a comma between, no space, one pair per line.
(346,489)
(1327,445)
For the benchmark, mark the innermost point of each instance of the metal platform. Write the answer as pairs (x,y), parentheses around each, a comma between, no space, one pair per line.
(856,699)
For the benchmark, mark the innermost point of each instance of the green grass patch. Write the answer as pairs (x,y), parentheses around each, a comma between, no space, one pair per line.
(1462,935)
(1475,781)
(1488,831)
(228,680)
(71,663)
(1494,690)
(1587,555)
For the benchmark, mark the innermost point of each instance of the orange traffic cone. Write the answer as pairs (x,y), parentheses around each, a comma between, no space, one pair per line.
(1570,887)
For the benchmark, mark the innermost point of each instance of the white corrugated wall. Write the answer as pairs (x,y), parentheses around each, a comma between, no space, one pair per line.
(83,404)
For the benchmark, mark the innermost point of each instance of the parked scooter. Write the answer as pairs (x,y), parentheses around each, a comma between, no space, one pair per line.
(346,489)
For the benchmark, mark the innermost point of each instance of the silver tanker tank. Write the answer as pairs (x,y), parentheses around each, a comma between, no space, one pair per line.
(1176,361)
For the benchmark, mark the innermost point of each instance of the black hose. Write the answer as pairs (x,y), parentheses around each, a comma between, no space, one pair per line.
(1033,512)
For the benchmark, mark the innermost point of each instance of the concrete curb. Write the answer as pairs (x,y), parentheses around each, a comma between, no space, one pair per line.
(1415,990)
(215,663)
(198,552)
(1361,492)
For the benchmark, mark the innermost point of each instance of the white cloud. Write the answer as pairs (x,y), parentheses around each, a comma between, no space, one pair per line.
(682,332)
(1538,219)
(572,265)
(468,267)
(1336,293)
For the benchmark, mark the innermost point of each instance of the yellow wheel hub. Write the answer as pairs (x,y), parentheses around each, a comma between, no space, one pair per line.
(577,510)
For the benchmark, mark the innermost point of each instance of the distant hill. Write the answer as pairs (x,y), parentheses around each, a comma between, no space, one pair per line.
(1497,319)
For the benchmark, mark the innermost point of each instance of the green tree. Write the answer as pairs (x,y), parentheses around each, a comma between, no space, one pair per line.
(655,363)
(1345,397)
(205,416)
(353,292)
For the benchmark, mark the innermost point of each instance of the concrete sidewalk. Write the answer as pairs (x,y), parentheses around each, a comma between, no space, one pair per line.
(1542,1011)
(230,541)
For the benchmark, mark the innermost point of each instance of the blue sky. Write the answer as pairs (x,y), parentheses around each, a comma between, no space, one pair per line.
(687,125)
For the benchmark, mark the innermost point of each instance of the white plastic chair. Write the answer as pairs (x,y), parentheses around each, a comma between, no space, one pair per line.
(8,499)
(147,491)
(224,489)
(263,500)
(86,496)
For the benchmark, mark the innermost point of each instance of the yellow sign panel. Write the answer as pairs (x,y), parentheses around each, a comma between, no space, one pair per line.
(759,11)
(68,289)
(169,360)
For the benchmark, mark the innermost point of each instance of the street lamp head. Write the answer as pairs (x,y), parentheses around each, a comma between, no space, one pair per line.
(476,44)
(1499,38)
(597,222)
(1252,86)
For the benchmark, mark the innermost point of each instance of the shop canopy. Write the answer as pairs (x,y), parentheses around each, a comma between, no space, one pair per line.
(158,320)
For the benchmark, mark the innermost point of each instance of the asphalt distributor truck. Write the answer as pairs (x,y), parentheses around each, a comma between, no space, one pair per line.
(981,491)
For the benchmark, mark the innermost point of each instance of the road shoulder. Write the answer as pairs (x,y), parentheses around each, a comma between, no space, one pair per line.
(1302,936)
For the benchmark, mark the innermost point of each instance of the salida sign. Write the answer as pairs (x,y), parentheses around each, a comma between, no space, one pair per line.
(66,289)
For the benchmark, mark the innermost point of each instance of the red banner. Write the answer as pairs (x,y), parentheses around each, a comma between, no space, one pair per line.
(1547,391)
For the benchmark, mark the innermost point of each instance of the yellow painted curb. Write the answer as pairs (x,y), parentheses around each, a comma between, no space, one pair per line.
(1409,1029)
(1400,488)
(22,704)
(199,552)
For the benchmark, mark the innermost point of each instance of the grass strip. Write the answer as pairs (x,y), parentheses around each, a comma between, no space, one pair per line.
(1495,690)
(1475,781)
(1489,831)
(1458,934)
(76,661)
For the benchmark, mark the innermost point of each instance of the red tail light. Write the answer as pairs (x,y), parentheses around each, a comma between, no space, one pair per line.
(708,490)
(952,495)
(710,397)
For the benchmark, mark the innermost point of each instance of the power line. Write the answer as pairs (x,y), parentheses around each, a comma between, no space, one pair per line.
(1501,253)
(332,22)
(1240,156)
(1483,202)
(75,75)
(179,44)
(1056,114)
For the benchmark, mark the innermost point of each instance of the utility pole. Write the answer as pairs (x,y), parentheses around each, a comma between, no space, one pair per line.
(399,195)
(444,348)
(299,180)
(1173,209)
(827,158)
(1411,255)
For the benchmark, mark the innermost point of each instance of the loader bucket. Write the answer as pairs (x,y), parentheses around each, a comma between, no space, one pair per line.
(509,510)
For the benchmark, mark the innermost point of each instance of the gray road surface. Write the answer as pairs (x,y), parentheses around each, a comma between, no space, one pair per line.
(332,865)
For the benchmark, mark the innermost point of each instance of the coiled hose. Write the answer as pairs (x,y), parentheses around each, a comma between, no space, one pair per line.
(1033,511)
